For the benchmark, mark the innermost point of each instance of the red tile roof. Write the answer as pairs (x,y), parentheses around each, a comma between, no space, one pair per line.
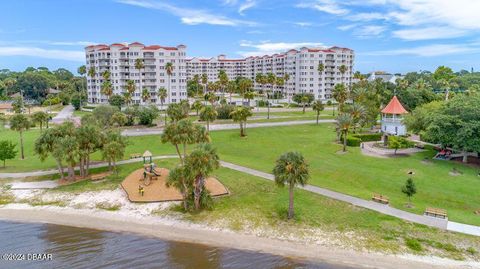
(156,47)
(117,45)
(136,44)
(394,107)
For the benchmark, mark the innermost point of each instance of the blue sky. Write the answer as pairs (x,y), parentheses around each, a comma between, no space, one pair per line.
(390,35)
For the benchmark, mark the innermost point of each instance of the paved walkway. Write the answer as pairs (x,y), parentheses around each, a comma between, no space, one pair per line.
(228,126)
(46,184)
(65,114)
(384,209)
(369,149)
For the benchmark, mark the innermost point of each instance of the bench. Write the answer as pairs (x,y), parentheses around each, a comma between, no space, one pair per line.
(436,212)
(380,199)
(135,155)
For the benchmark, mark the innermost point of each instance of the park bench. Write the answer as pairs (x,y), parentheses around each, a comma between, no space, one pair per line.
(135,155)
(380,199)
(436,212)
(100,176)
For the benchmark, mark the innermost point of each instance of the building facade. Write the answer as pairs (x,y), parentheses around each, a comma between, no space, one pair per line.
(301,66)
(119,60)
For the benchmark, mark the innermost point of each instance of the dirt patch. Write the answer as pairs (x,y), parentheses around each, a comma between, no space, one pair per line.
(157,190)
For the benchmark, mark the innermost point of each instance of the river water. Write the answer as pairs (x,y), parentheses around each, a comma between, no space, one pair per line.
(87,248)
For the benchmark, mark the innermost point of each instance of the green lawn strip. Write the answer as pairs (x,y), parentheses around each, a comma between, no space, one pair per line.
(351,173)
(257,204)
(354,173)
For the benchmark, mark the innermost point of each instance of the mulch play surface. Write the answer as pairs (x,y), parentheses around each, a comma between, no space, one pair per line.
(157,191)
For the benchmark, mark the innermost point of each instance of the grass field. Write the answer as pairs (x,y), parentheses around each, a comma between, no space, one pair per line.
(351,173)
(258,205)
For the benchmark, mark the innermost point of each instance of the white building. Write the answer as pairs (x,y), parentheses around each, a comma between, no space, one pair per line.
(392,118)
(120,59)
(385,77)
(301,66)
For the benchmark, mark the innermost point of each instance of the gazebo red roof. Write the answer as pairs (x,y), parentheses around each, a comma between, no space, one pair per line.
(394,107)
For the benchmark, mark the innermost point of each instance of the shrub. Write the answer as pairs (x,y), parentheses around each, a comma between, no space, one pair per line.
(262,103)
(224,111)
(413,244)
(368,137)
(353,141)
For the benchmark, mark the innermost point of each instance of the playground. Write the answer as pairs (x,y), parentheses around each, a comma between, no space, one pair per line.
(148,184)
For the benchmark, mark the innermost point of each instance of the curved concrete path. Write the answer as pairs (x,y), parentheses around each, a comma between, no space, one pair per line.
(384,209)
(227,126)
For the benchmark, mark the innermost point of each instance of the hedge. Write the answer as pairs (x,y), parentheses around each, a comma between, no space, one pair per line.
(368,137)
(353,141)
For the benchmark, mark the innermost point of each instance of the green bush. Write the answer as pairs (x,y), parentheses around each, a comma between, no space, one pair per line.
(368,137)
(413,244)
(262,103)
(353,141)
(224,111)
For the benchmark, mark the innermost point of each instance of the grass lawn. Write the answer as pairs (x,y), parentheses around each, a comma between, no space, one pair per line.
(351,173)
(356,174)
(256,204)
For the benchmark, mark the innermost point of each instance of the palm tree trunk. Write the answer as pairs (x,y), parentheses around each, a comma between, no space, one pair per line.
(21,144)
(178,152)
(208,126)
(168,90)
(268,108)
(241,129)
(290,202)
(60,169)
(197,192)
(318,115)
(344,141)
(88,164)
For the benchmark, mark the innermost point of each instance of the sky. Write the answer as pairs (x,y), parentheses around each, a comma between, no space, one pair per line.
(396,36)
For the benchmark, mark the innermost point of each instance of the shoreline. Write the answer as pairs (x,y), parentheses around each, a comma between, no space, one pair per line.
(161,228)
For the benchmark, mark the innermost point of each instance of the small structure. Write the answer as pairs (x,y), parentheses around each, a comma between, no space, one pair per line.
(147,154)
(6,108)
(392,118)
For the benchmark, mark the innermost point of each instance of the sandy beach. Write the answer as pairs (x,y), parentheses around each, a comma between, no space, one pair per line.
(162,228)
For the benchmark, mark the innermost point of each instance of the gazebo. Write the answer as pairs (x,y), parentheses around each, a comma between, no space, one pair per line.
(147,154)
(392,118)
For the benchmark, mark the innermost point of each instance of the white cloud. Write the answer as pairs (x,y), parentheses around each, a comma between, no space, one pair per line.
(71,43)
(370,31)
(429,50)
(367,16)
(346,27)
(428,33)
(303,24)
(246,5)
(327,6)
(188,16)
(266,47)
(69,55)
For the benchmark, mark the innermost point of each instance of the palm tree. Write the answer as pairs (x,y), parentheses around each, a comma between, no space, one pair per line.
(340,94)
(180,180)
(139,65)
(130,89)
(240,114)
(9,83)
(128,97)
(107,89)
(244,85)
(20,123)
(40,117)
(145,95)
(269,79)
(343,69)
(318,107)
(208,114)
(91,71)
(286,78)
(196,80)
(200,164)
(344,122)
(169,70)
(162,95)
(280,82)
(222,81)
(204,82)
(249,95)
(292,169)
(358,113)
(321,68)
(197,105)
(231,88)
(184,132)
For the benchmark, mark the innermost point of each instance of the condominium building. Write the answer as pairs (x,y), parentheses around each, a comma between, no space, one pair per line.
(119,60)
(300,65)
